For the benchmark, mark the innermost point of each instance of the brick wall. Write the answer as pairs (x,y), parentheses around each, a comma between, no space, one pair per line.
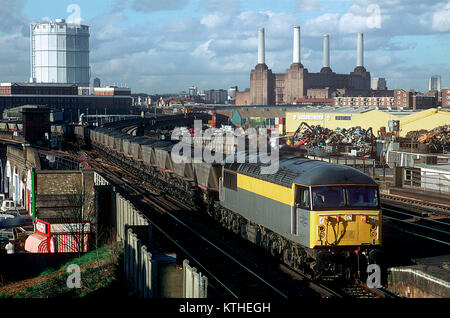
(243,98)
(60,193)
(446,97)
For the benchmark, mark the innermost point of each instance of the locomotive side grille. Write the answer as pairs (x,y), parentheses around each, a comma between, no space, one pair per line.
(282,177)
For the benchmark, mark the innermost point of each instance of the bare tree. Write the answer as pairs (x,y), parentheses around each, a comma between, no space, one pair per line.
(78,219)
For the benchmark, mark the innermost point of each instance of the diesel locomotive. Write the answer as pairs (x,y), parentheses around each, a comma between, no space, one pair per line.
(319,218)
(316,216)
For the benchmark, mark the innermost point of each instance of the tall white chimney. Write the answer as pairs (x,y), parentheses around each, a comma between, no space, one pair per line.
(296,51)
(261,47)
(360,50)
(326,51)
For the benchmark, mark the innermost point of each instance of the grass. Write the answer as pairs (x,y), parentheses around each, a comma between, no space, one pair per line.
(103,252)
(97,276)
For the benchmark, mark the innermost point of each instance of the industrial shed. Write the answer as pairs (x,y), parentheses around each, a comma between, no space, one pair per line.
(365,117)
(257,117)
(426,119)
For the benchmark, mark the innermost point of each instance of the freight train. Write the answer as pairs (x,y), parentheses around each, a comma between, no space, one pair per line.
(319,218)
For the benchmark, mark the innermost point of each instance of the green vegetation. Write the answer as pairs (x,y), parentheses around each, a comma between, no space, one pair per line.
(103,253)
(99,275)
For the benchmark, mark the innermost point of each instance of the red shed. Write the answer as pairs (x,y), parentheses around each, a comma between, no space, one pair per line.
(59,236)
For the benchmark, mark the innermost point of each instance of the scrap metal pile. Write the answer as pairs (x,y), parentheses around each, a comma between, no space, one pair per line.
(436,140)
(318,136)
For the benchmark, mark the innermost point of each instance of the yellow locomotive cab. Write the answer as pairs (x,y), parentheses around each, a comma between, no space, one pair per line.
(341,215)
(345,228)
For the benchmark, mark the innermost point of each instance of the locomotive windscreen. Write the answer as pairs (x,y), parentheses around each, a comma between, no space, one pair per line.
(328,197)
(353,197)
(362,197)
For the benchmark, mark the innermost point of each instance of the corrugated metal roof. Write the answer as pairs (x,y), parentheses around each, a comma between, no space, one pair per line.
(333,109)
(262,112)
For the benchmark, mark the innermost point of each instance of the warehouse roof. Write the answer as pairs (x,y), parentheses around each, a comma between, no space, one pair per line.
(355,110)
(262,112)
(402,112)
(333,109)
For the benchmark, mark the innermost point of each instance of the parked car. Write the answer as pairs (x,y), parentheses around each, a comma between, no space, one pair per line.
(7,235)
(5,217)
(8,205)
(13,213)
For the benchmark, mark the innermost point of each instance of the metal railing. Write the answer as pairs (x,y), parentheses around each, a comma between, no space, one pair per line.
(369,166)
(426,180)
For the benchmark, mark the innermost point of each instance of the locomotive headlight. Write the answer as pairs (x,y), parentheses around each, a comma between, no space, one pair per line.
(321,231)
(373,230)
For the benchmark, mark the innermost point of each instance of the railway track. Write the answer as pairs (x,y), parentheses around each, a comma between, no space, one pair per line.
(433,227)
(228,275)
(231,249)
(415,204)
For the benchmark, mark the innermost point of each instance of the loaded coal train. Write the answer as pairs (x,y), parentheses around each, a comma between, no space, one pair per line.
(319,218)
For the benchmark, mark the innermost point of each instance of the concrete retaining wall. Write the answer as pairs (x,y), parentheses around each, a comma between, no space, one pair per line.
(147,275)
(413,282)
(139,267)
(195,285)
(127,215)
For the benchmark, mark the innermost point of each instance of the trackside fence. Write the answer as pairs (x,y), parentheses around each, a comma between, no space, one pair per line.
(142,270)
(195,285)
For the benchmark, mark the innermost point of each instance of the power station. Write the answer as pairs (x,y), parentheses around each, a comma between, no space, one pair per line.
(267,88)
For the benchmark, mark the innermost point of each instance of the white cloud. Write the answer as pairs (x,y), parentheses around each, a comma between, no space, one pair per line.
(351,23)
(382,61)
(158,5)
(203,51)
(14,58)
(228,6)
(198,49)
(441,19)
(215,20)
(219,48)
(309,5)
(109,32)
(323,24)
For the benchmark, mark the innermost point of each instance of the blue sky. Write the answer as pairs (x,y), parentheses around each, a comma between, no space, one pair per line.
(157,46)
